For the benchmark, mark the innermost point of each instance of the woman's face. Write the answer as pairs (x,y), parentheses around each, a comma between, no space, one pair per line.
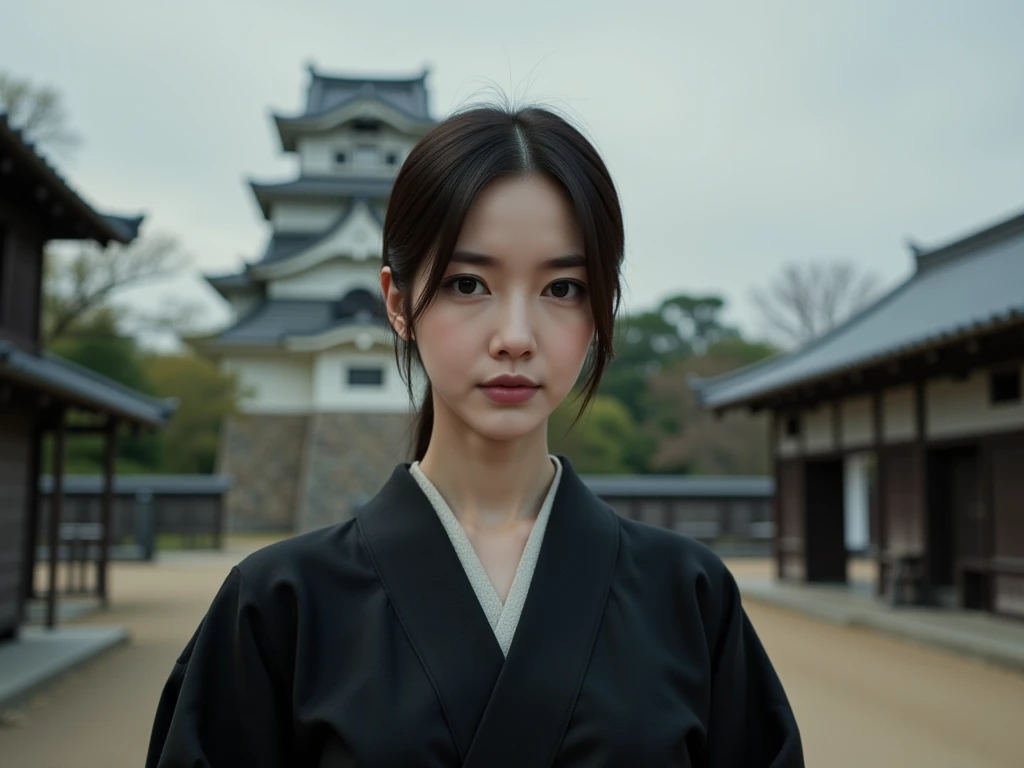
(513,303)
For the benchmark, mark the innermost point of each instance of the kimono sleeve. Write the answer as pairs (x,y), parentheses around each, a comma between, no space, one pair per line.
(751,722)
(224,704)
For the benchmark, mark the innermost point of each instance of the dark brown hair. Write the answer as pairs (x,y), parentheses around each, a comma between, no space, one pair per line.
(435,190)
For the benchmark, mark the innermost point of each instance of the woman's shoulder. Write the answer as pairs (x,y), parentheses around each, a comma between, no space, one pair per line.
(307,562)
(662,551)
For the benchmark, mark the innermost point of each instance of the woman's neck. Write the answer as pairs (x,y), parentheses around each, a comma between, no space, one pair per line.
(488,484)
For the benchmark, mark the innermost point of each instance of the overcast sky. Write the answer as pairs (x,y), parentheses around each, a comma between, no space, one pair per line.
(741,135)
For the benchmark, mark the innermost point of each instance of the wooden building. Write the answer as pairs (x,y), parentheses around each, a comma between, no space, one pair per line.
(39,391)
(922,393)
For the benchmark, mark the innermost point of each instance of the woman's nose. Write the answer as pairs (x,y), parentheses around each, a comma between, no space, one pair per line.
(513,336)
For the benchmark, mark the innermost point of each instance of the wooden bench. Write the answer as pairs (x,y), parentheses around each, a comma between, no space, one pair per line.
(83,542)
(906,580)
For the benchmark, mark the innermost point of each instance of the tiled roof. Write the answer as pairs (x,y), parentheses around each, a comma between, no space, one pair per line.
(83,386)
(322,188)
(405,94)
(276,319)
(679,486)
(963,289)
(78,219)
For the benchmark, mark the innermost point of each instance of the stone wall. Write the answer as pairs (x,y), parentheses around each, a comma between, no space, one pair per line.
(263,453)
(347,458)
(296,473)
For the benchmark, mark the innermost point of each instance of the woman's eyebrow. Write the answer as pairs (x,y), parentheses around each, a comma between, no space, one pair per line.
(483,260)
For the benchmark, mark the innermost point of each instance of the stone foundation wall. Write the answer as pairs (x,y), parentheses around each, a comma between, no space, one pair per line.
(299,473)
(347,458)
(263,453)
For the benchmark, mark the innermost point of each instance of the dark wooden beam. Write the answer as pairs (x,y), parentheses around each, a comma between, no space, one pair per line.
(881,512)
(109,470)
(773,457)
(28,591)
(921,462)
(86,429)
(56,506)
(837,425)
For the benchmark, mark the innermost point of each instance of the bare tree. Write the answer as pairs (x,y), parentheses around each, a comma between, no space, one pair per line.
(38,112)
(79,283)
(808,299)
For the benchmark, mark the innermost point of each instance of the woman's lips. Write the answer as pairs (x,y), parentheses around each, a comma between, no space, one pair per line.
(506,394)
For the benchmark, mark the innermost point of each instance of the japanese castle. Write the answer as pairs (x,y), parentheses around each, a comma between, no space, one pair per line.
(325,416)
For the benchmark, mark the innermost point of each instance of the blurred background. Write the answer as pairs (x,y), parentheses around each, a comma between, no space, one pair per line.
(819,355)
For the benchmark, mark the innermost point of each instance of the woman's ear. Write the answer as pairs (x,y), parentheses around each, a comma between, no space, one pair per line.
(394,304)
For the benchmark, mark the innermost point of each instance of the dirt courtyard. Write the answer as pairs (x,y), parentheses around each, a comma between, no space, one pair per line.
(861,699)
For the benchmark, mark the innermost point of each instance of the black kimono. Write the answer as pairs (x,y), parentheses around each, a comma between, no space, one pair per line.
(364,645)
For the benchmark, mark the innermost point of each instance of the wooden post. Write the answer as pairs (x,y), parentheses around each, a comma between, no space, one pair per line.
(837,426)
(218,522)
(107,507)
(881,513)
(921,460)
(28,591)
(56,503)
(774,418)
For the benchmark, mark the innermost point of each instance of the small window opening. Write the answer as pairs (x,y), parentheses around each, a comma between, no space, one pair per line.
(792,426)
(365,377)
(1004,386)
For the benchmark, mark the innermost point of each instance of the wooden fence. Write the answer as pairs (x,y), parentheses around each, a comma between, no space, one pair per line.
(732,514)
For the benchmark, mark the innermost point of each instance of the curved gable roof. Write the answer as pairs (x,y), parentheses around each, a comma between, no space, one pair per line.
(333,100)
(405,94)
(72,217)
(964,288)
(319,188)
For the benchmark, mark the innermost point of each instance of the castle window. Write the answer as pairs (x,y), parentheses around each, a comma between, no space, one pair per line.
(1004,386)
(392,158)
(365,377)
(792,426)
(340,158)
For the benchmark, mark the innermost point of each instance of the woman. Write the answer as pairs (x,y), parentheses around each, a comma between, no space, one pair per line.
(484,608)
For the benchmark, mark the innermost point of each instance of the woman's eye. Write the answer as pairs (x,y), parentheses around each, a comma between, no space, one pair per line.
(565,289)
(465,286)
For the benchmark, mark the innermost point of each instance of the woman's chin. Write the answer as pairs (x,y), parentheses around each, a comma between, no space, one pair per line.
(507,426)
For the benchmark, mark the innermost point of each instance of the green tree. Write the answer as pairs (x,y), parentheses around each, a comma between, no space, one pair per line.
(689,438)
(206,396)
(603,439)
(98,346)
(697,320)
(648,342)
